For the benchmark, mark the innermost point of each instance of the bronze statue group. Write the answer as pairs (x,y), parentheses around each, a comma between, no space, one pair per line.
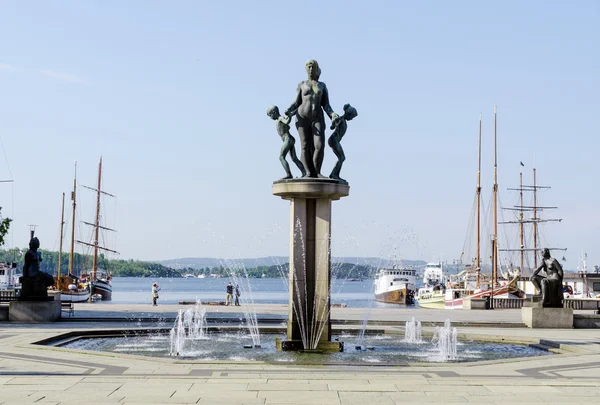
(312,99)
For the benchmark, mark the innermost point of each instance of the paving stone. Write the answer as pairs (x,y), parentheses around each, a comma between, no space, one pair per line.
(248,401)
(514,389)
(292,381)
(342,381)
(287,387)
(469,389)
(362,387)
(227,380)
(401,399)
(302,397)
(362,398)
(44,380)
(502,398)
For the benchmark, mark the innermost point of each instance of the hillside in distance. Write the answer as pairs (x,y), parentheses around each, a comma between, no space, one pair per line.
(203,262)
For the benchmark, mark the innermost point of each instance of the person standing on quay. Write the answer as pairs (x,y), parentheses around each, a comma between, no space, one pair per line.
(229,296)
(237,295)
(155,290)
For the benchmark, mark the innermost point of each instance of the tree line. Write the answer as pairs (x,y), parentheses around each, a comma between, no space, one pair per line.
(138,268)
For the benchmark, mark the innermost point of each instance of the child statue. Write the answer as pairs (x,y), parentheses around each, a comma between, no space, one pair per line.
(283,129)
(340,125)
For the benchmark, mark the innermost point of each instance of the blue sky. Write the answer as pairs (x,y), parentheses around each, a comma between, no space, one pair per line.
(173,96)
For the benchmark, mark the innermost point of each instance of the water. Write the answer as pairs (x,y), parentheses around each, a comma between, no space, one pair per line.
(387,349)
(134,290)
(445,340)
(190,326)
(412,331)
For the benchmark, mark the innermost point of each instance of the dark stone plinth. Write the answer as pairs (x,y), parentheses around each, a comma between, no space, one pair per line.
(310,180)
(34,311)
(36,288)
(298,346)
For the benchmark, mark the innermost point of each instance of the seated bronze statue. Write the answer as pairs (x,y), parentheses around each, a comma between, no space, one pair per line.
(549,286)
(34,282)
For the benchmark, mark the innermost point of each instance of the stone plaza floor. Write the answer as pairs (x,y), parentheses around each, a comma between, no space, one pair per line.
(31,373)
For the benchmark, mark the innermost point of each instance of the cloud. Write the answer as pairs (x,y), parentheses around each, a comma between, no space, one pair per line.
(62,76)
(6,66)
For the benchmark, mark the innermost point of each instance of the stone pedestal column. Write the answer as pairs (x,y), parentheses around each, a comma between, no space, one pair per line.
(309,326)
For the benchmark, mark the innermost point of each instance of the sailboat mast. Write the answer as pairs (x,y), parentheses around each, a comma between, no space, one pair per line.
(74,198)
(535,218)
(97,223)
(495,247)
(522,252)
(62,225)
(477,259)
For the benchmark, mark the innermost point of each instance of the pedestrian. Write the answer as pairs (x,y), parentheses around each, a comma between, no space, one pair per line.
(155,290)
(237,295)
(229,296)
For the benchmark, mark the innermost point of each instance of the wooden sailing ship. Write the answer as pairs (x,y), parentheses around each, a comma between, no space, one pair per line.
(471,282)
(100,279)
(72,288)
(524,270)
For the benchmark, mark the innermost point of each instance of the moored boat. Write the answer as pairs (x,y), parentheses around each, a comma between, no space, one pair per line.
(432,297)
(432,294)
(9,278)
(103,288)
(80,293)
(395,286)
(454,298)
(100,279)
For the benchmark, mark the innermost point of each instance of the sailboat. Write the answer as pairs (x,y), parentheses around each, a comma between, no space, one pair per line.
(470,283)
(71,287)
(535,220)
(9,275)
(100,280)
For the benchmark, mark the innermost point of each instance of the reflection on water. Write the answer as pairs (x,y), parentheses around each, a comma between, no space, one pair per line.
(135,290)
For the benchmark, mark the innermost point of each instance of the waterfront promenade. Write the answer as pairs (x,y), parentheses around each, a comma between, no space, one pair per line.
(31,373)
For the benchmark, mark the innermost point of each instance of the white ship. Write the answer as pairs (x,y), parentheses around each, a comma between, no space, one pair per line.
(432,294)
(396,285)
(9,278)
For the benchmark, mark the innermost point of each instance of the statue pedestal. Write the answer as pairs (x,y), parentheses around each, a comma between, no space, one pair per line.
(539,317)
(34,311)
(309,325)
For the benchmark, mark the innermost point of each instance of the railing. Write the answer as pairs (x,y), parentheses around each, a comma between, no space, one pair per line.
(8,295)
(572,303)
(582,303)
(507,303)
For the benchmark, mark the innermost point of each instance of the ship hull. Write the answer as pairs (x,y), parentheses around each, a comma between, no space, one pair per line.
(457,303)
(102,288)
(433,302)
(401,296)
(75,296)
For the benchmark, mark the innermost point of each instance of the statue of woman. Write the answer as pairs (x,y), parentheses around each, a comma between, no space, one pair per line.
(36,280)
(312,98)
(551,285)
(32,259)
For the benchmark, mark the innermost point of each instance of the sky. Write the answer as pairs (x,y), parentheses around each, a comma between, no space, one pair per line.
(173,96)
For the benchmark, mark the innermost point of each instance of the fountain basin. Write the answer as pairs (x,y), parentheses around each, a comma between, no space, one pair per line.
(227,345)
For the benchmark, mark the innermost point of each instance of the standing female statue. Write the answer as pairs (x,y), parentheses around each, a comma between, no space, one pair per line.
(312,98)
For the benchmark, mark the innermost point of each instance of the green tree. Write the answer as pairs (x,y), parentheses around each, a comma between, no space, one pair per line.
(4,226)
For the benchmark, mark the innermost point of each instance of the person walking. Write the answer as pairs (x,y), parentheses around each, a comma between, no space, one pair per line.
(229,296)
(237,295)
(155,290)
